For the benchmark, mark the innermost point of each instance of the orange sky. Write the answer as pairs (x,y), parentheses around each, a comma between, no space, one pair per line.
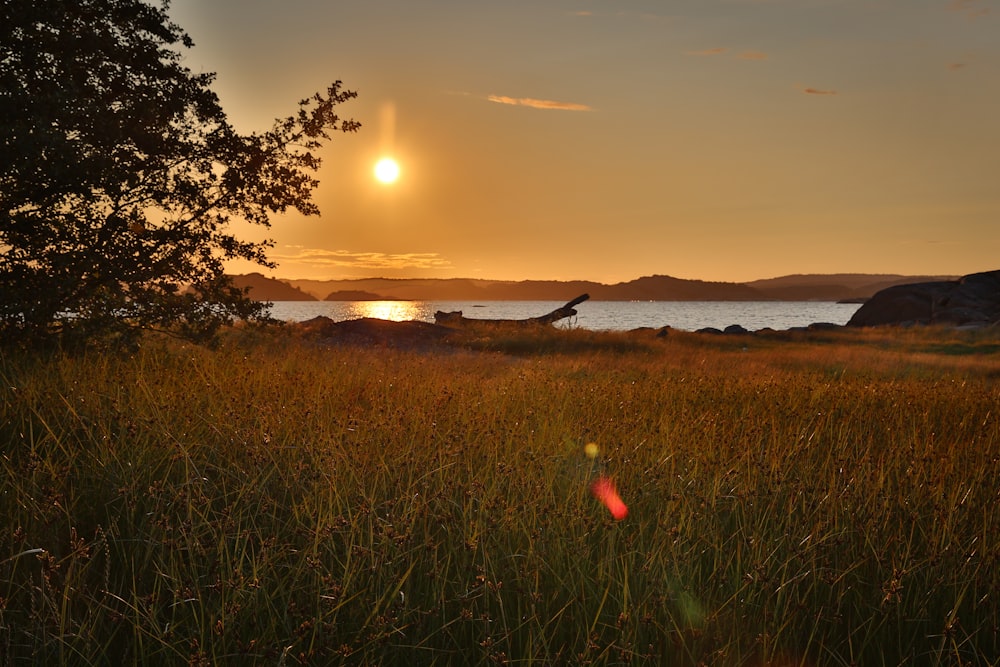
(609,139)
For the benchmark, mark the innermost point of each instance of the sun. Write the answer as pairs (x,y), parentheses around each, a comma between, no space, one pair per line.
(387,170)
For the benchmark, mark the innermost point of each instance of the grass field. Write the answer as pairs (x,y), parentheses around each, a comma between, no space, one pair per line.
(813,499)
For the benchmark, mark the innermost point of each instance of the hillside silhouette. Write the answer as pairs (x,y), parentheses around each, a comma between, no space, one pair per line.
(806,287)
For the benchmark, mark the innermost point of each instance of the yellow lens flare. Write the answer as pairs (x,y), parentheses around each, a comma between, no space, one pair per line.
(387,170)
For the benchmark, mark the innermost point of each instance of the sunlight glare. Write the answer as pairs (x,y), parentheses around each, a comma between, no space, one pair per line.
(397,311)
(387,170)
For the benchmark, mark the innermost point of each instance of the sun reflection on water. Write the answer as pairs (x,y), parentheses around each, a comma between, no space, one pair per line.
(396,311)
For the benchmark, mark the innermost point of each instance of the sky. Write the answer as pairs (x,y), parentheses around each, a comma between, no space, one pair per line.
(722,140)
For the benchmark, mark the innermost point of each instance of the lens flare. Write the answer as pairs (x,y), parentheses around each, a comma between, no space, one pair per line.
(604,490)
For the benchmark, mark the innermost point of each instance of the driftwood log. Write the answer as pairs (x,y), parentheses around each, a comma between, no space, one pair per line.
(456,318)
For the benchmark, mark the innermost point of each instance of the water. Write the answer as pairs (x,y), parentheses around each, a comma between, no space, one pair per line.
(593,315)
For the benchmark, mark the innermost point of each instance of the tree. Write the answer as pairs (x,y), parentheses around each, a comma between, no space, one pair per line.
(120,174)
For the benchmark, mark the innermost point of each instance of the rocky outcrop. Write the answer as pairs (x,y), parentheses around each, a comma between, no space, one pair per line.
(972,299)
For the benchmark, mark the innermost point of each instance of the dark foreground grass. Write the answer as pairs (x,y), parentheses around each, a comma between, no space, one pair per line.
(792,501)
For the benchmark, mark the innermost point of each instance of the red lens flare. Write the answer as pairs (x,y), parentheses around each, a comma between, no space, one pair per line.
(604,490)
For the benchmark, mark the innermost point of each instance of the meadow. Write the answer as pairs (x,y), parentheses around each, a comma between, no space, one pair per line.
(828,498)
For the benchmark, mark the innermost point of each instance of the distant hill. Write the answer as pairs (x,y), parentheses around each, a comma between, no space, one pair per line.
(446,289)
(661,288)
(809,287)
(666,288)
(354,295)
(270,289)
(834,287)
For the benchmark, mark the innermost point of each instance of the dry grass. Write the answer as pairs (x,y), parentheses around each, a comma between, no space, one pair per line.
(820,499)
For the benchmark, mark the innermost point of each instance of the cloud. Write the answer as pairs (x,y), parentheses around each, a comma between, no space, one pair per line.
(361,260)
(971,9)
(707,52)
(538,104)
(752,55)
(818,91)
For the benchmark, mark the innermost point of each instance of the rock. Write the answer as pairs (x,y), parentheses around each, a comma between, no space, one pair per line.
(972,299)
(444,318)
(735,329)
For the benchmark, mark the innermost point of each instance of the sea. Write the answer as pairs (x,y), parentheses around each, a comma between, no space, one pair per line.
(592,315)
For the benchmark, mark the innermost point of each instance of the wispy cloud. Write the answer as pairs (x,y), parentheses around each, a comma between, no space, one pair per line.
(972,9)
(707,52)
(752,55)
(360,260)
(818,91)
(538,104)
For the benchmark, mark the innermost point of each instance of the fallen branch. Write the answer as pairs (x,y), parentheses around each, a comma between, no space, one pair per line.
(456,318)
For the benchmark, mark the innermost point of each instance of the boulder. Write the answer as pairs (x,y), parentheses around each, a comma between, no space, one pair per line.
(972,299)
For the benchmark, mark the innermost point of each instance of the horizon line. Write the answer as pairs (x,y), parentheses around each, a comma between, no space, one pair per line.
(598,282)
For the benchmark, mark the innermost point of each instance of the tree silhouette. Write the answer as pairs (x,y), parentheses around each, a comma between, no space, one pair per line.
(120,174)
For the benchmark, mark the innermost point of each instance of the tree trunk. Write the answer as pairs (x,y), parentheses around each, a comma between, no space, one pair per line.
(457,319)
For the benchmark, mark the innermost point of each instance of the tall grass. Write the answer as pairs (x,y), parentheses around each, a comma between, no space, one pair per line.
(804,501)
